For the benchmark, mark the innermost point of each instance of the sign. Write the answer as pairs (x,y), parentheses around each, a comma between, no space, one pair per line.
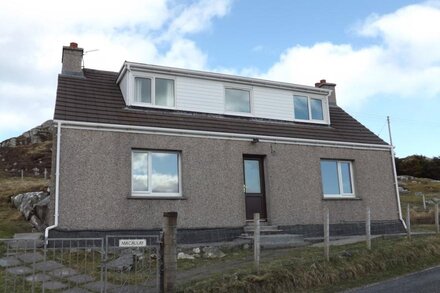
(132,243)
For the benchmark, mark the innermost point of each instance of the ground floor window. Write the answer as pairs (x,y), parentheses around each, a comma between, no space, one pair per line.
(155,173)
(337,178)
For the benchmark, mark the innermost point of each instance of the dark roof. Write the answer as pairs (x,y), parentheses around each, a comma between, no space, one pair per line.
(97,98)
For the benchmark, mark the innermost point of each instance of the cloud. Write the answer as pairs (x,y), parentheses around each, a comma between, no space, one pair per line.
(31,41)
(402,60)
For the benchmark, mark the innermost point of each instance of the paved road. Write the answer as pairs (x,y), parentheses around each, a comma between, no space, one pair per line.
(424,281)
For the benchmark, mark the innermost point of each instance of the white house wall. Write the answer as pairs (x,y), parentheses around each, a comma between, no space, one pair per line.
(199,95)
(208,96)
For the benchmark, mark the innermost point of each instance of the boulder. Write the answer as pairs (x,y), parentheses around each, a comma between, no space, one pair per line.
(212,252)
(33,206)
(183,255)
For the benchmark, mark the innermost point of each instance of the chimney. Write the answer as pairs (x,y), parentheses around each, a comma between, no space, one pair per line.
(72,60)
(331,86)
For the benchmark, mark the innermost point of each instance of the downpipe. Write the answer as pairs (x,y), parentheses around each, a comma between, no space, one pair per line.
(57,185)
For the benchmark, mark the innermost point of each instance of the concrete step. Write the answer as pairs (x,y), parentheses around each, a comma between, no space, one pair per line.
(280,240)
(26,241)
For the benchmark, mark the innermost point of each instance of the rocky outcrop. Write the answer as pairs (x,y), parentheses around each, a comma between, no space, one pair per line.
(33,206)
(30,152)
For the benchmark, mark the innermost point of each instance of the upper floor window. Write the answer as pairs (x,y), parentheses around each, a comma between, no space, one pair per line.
(337,178)
(154,91)
(237,100)
(306,108)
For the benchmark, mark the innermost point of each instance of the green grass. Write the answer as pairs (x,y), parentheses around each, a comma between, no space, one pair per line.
(11,220)
(304,269)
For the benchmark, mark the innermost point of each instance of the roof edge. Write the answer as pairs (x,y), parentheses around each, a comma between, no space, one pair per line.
(218,76)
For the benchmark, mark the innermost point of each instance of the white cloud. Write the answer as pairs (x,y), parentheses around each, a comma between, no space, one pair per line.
(404,60)
(31,41)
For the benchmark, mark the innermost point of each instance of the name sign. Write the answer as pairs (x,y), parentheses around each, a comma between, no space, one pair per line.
(132,243)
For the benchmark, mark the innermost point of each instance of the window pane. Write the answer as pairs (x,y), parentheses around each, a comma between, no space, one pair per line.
(237,100)
(316,106)
(142,90)
(252,176)
(346,177)
(301,105)
(165,177)
(140,171)
(329,173)
(164,92)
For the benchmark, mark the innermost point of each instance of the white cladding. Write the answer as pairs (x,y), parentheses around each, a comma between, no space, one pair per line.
(208,96)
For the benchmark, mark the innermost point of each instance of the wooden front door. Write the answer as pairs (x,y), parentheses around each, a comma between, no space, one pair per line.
(254,187)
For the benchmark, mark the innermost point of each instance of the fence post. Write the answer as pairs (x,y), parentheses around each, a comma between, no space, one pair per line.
(326,234)
(45,173)
(436,218)
(408,222)
(368,228)
(170,252)
(257,241)
(21,171)
(424,202)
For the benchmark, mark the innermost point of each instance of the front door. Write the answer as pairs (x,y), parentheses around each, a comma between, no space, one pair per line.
(254,187)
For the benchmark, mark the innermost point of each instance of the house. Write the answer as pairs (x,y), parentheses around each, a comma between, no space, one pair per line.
(216,148)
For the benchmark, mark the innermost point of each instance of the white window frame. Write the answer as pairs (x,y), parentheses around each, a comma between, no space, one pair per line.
(242,88)
(152,77)
(150,193)
(324,104)
(341,187)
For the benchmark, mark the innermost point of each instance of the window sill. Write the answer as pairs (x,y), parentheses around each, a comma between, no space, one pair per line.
(341,198)
(157,197)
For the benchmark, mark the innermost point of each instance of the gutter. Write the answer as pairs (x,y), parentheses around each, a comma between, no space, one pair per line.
(57,184)
(218,135)
(396,185)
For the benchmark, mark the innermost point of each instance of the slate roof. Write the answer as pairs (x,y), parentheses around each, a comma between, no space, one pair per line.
(97,98)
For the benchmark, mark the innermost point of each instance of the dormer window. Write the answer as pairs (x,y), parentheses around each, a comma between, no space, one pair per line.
(237,100)
(308,109)
(155,91)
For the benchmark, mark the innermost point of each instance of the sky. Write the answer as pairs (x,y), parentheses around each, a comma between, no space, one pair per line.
(384,56)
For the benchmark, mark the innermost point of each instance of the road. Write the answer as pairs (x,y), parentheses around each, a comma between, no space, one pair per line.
(424,281)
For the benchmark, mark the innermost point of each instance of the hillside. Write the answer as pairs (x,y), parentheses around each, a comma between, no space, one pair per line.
(32,153)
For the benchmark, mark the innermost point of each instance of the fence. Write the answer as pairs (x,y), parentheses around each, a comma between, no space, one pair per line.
(114,264)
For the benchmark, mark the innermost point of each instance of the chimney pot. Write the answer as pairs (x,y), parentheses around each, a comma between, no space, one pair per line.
(74,45)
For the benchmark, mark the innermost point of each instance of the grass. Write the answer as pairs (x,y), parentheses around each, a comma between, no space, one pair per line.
(305,270)
(11,220)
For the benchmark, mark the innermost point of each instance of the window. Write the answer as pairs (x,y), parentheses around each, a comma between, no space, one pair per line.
(237,100)
(155,173)
(162,88)
(337,178)
(306,108)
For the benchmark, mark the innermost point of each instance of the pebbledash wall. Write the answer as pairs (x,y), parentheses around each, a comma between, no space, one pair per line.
(95,186)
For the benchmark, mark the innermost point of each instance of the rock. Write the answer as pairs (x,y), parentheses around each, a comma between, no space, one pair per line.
(213,252)
(402,189)
(196,250)
(122,263)
(246,246)
(182,255)
(33,206)
(418,193)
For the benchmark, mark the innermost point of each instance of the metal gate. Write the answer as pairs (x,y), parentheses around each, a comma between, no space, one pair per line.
(111,264)
(131,263)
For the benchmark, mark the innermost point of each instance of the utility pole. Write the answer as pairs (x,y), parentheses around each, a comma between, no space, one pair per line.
(389,131)
(396,184)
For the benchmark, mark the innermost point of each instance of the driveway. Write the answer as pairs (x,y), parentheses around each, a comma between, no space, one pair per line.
(424,281)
